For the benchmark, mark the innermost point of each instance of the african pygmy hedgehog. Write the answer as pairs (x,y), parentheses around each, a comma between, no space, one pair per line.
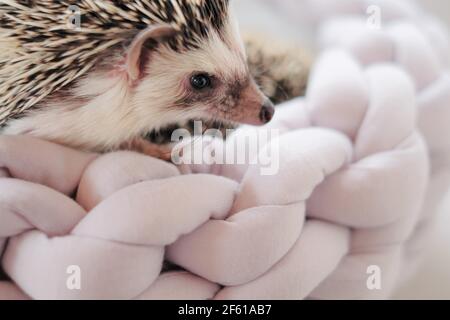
(128,68)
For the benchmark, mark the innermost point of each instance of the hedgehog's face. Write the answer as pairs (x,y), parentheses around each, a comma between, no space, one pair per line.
(210,82)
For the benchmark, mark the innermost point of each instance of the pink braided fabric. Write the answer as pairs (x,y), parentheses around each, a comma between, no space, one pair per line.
(418,44)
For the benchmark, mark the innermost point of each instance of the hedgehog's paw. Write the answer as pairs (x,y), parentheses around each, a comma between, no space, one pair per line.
(141,145)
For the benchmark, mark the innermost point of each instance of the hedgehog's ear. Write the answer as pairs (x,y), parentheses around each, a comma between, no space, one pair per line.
(138,52)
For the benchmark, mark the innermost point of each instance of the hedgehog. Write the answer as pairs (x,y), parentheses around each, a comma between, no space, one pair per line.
(122,70)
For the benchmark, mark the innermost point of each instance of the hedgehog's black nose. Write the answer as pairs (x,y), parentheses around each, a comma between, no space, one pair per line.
(267,112)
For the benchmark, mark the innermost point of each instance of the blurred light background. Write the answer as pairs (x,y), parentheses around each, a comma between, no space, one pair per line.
(433,278)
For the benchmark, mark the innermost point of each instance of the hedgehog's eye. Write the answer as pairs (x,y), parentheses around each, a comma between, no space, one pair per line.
(201,81)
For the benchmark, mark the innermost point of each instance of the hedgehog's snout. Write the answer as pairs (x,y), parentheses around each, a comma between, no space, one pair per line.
(253,107)
(267,111)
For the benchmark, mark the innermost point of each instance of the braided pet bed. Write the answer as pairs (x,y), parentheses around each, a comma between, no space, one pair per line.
(351,190)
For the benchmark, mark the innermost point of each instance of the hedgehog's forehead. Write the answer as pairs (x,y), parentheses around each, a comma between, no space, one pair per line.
(223,56)
(196,20)
(221,50)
